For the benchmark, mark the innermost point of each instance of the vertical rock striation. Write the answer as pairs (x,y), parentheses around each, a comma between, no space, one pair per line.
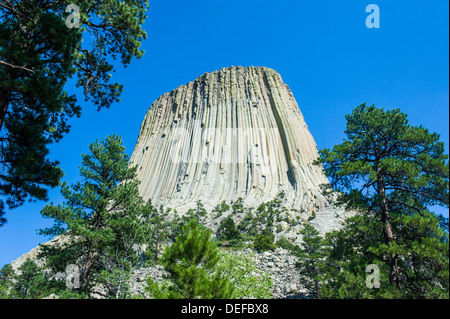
(236,132)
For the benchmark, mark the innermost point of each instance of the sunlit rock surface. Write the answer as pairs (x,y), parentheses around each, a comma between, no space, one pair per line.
(236,132)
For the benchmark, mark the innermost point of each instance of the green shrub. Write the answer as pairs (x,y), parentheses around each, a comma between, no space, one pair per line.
(286,244)
(249,282)
(220,209)
(192,266)
(228,232)
(264,241)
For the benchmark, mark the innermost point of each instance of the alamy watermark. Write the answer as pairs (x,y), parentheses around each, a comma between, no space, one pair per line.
(373,19)
(73,20)
(373,279)
(71,276)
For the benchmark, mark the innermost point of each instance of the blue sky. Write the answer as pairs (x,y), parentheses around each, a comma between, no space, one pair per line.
(323,50)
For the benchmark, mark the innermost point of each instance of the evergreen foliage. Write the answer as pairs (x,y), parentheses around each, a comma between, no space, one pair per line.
(267,216)
(221,208)
(237,206)
(248,224)
(286,244)
(160,233)
(39,53)
(192,265)
(6,276)
(310,257)
(228,232)
(264,241)
(103,220)
(30,281)
(391,173)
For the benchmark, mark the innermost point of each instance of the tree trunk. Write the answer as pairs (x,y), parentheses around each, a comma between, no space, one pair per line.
(87,268)
(5,96)
(317,288)
(388,234)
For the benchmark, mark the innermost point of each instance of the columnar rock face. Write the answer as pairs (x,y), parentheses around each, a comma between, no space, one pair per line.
(237,132)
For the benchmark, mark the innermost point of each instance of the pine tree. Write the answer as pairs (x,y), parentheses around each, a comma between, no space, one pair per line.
(39,53)
(392,173)
(264,241)
(311,255)
(30,282)
(192,266)
(103,219)
(227,232)
(6,275)
(348,254)
(221,208)
(237,206)
(160,233)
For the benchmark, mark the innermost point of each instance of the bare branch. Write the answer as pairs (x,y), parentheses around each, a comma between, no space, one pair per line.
(16,66)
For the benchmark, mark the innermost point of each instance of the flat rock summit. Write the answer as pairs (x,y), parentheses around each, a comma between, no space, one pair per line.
(236,132)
